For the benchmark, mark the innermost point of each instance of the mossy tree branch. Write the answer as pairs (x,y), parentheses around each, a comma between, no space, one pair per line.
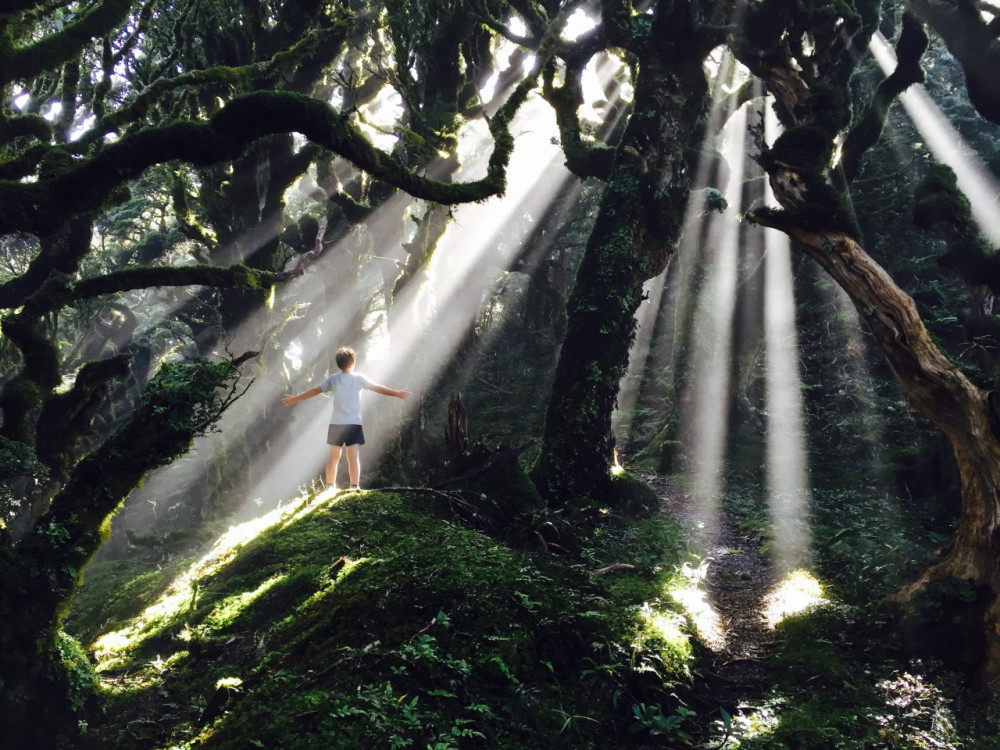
(65,417)
(582,159)
(54,50)
(42,568)
(941,208)
(910,48)
(258,75)
(88,184)
(63,290)
(973,42)
(39,375)
(61,252)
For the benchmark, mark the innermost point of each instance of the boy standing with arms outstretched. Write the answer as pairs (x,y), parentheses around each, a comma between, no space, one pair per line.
(345,421)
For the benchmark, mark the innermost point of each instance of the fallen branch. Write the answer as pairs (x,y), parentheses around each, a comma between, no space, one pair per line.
(612,568)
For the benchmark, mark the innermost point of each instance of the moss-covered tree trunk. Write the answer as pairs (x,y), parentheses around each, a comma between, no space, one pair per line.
(638,223)
(39,570)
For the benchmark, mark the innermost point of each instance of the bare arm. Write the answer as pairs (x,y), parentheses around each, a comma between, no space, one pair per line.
(289,400)
(388,391)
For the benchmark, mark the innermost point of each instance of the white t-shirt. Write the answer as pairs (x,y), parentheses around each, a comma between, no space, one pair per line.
(346,388)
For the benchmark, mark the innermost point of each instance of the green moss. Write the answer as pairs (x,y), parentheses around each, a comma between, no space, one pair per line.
(940,207)
(378,621)
(115,591)
(938,199)
(55,49)
(631,495)
(76,670)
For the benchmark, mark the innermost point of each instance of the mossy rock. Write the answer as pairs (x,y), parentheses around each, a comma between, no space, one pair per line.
(632,496)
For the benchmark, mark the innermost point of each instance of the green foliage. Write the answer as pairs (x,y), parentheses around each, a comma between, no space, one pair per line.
(17,459)
(938,199)
(651,719)
(715,200)
(186,398)
(76,669)
(839,687)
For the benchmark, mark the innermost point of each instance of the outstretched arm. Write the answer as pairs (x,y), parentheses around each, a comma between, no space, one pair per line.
(388,391)
(289,400)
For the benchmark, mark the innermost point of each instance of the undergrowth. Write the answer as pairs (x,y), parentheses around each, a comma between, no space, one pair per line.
(840,677)
(378,620)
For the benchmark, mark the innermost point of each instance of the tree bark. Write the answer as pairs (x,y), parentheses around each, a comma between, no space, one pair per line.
(637,225)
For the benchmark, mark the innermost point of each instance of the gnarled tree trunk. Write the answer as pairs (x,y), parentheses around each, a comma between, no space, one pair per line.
(964,580)
(639,220)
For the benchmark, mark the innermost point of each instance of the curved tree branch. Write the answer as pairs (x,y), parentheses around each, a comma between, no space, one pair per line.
(56,49)
(909,49)
(88,184)
(582,159)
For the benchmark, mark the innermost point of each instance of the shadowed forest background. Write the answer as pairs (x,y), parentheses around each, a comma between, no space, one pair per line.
(696,300)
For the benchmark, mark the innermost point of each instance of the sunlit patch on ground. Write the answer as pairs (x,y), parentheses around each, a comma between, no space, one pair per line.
(755,724)
(112,650)
(691,595)
(796,593)
(664,632)
(227,610)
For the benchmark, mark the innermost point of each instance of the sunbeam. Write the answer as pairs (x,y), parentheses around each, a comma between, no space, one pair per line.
(787,472)
(707,402)
(432,319)
(628,388)
(974,178)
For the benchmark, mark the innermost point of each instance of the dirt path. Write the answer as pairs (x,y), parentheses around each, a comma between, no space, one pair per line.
(734,671)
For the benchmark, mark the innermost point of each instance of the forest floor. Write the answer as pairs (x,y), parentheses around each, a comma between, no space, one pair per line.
(734,671)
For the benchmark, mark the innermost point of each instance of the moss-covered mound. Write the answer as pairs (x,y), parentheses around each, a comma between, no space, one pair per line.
(376,620)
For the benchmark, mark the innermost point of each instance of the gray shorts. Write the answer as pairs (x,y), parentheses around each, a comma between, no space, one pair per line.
(345,434)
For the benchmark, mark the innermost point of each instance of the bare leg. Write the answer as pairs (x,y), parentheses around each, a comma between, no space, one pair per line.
(331,465)
(354,464)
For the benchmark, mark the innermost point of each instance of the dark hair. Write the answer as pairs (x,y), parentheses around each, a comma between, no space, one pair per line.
(345,356)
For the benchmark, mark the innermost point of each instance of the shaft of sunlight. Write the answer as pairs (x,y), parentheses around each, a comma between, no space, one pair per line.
(481,241)
(974,178)
(432,316)
(707,420)
(787,472)
(654,289)
(787,465)
(689,248)
(628,388)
